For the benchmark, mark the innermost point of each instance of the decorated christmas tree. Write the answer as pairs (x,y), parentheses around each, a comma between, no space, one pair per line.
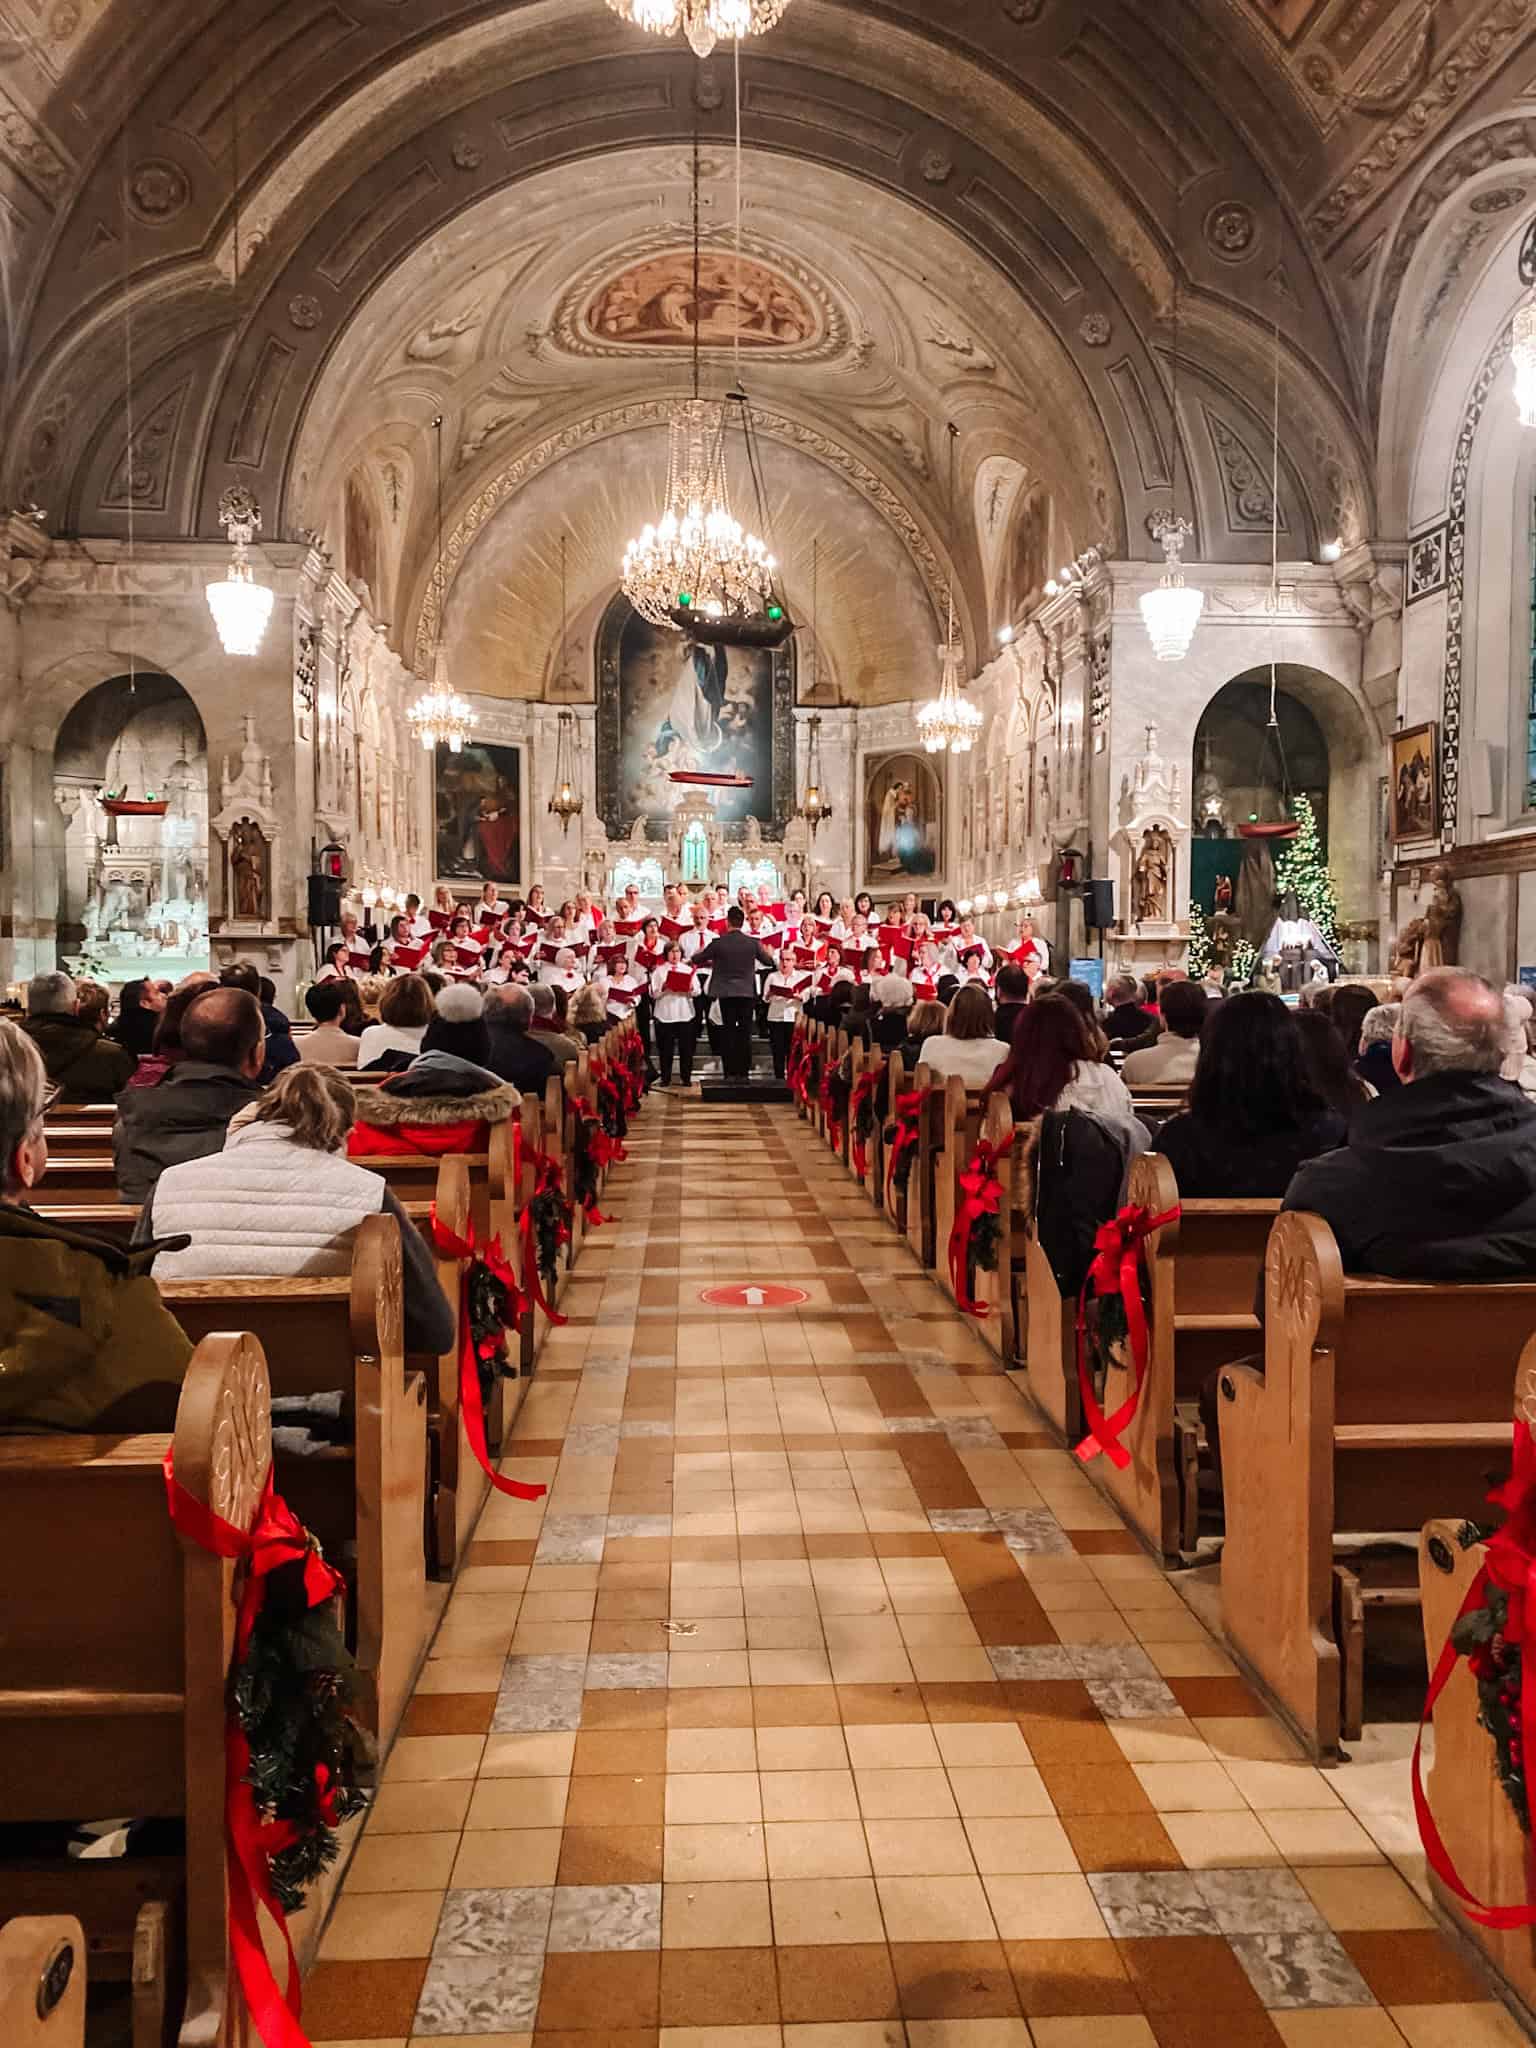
(1302,867)
(1199,940)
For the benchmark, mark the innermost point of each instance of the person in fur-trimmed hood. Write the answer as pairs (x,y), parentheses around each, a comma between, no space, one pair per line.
(440,1103)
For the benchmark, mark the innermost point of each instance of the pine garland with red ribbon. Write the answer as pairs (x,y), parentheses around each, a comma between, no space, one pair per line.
(1116,1272)
(833,1098)
(901,1135)
(610,1100)
(977,1232)
(544,1225)
(294,1755)
(594,1149)
(490,1302)
(861,1108)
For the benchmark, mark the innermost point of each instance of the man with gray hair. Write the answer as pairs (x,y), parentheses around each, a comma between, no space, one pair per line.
(1438,1178)
(516,1056)
(82,1065)
(545,1029)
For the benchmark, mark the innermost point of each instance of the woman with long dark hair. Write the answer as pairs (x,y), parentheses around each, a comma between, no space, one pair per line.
(1327,1060)
(1053,1064)
(1254,1114)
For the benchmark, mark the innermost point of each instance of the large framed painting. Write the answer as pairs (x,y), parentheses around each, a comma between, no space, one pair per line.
(477,812)
(903,819)
(1415,792)
(666,703)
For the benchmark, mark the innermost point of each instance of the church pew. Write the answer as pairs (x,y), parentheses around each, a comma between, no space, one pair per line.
(77,1140)
(319,1334)
(1049,1334)
(877,1062)
(1154,1106)
(920,1179)
(893,1199)
(118,1638)
(458,1486)
(42,1982)
(959,1128)
(1487,1846)
(91,1180)
(1378,1398)
(1201,1273)
(1001,1291)
(834,1135)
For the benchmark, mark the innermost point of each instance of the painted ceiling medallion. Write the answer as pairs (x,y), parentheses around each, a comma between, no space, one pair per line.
(651,305)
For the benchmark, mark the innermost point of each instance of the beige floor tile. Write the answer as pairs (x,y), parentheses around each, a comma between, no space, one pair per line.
(723,1852)
(893,1746)
(461,1674)
(1028,1848)
(402,1863)
(789,1667)
(571,1606)
(1457,2026)
(1356,1900)
(1161,1739)
(827,1848)
(1268,1786)
(932,1908)
(967,2034)
(801,1749)
(716,1916)
(707,1668)
(1000,1794)
(905,1795)
(809,1795)
(529,1756)
(1190,1788)
(1118,2032)
(918,1848)
(1352,2027)
(420,1809)
(981,1744)
(724,2037)
(518,1803)
(1247,1738)
(551,1638)
(1221,1841)
(826,1912)
(496,1858)
(690,1750)
(369,1928)
(949,1631)
(1059,1907)
(1331,1836)
(713,1796)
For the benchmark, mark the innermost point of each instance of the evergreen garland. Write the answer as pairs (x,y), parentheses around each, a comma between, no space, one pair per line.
(1495,1663)
(493,1310)
(986,1235)
(864,1117)
(309,1755)
(551,1229)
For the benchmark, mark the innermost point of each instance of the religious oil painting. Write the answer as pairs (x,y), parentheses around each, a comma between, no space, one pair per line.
(479,814)
(669,704)
(903,818)
(652,305)
(1415,784)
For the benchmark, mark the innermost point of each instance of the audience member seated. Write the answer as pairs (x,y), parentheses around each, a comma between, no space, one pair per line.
(859,1016)
(139,1009)
(405,1011)
(1053,1065)
(1438,1179)
(587,1014)
(966,1045)
(1012,995)
(514,1053)
(893,997)
(166,1049)
(1129,1021)
(328,1045)
(93,1006)
(1080,996)
(1171,1062)
(81,1064)
(1373,1062)
(1329,1066)
(281,1200)
(458,1025)
(438,1104)
(924,1021)
(1519,1061)
(85,1341)
(1347,1004)
(281,1050)
(185,1116)
(1253,1114)
(546,1030)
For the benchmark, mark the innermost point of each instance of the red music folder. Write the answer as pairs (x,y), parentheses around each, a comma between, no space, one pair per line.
(671,929)
(680,981)
(408,957)
(360,958)
(440,919)
(626,996)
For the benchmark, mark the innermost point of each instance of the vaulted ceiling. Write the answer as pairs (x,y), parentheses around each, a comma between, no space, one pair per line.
(973,210)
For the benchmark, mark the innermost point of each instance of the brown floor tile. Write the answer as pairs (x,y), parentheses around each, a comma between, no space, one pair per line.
(772,1549)
(856,1543)
(909,1545)
(601,2037)
(1093,1788)
(632,1577)
(1121,1841)
(1024,1622)
(634,1709)
(795,1706)
(709,1706)
(966,1701)
(1215,1697)
(588,1992)
(1195,1973)
(1057,1979)
(537,1446)
(704,1549)
(858,1704)
(953,1980)
(638,1549)
(362,2001)
(620,1752)
(1104,1543)
(609,1855)
(831,1986)
(519,1552)
(719,1987)
(626,1638)
(1221,2030)
(615,1802)
(1416,1967)
(449,1713)
(1029,1440)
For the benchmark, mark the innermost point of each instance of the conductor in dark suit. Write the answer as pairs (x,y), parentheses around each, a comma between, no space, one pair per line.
(733,961)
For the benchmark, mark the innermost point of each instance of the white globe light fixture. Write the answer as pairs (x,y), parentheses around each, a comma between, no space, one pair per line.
(1172,611)
(240,605)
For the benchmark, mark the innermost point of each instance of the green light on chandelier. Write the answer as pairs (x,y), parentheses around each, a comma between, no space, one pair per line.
(775,611)
(684,600)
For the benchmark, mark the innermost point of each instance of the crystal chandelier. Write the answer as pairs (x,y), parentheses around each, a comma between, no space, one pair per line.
(950,722)
(440,716)
(567,801)
(697,557)
(240,605)
(1172,611)
(703,22)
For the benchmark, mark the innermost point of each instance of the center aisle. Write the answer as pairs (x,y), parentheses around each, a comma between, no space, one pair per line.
(824,1703)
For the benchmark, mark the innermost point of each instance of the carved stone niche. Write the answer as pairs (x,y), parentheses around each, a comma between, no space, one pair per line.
(1152,844)
(248,831)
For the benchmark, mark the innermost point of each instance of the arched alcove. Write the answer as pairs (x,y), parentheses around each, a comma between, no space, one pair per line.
(130,778)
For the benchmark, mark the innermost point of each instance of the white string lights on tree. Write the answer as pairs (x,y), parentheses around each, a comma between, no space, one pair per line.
(703,22)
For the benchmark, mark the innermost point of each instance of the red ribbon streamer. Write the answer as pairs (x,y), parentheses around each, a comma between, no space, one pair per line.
(983,1193)
(1510,1565)
(1116,1270)
(908,1110)
(547,1180)
(471,1403)
(276,1537)
(863,1089)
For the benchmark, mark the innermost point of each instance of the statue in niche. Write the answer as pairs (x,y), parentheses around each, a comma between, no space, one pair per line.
(1442,922)
(1149,880)
(248,870)
(1225,930)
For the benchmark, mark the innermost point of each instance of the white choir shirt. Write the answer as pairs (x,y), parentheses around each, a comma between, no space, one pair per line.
(496,907)
(957,946)
(632,983)
(421,927)
(666,1006)
(563,977)
(785,1009)
(331,972)
(1031,952)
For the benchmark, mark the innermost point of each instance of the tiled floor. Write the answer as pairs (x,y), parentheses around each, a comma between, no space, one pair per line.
(824,1705)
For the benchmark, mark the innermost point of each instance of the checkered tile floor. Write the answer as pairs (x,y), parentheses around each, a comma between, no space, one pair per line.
(823,1704)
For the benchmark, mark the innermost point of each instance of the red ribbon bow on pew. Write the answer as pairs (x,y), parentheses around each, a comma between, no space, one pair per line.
(863,1089)
(276,1538)
(1510,1564)
(983,1194)
(547,1180)
(906,1115)
(1116,1269)
(448,1245)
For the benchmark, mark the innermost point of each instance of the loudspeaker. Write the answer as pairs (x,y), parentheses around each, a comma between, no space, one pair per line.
(1099,905)
(324,901)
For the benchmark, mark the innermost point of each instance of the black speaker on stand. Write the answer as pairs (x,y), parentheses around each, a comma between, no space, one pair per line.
(1099,905)
(324,902)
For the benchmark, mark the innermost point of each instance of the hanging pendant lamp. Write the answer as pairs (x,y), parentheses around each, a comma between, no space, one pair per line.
(949,723)
(440,715)
(1172,611)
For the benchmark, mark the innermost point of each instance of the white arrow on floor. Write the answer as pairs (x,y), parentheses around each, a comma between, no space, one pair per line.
(755,1297)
